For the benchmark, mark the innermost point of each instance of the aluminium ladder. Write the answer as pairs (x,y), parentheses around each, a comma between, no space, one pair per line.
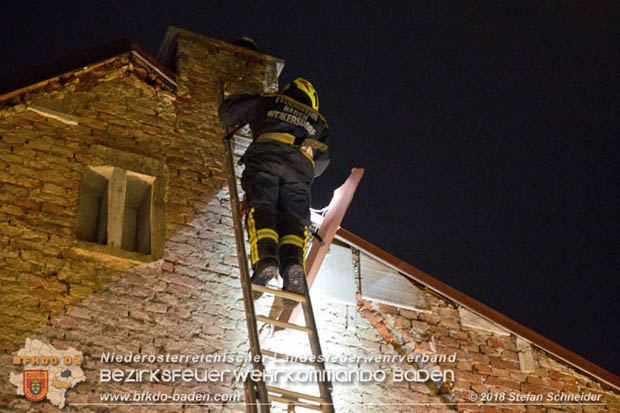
(258,395)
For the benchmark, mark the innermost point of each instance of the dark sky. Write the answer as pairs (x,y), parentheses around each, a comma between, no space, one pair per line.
(489,133)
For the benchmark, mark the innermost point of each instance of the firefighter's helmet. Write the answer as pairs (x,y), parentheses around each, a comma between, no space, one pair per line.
(308,93)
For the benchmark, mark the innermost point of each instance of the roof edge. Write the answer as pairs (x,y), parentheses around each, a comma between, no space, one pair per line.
(12,84)
(549,346)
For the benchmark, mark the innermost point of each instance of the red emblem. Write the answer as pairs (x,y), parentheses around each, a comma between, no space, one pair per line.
(36,384)
(303,82)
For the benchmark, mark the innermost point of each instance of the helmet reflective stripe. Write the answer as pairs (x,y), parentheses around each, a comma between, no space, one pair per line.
(306,87)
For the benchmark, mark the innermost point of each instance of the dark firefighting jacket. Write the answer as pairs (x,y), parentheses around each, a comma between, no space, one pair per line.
(279,114)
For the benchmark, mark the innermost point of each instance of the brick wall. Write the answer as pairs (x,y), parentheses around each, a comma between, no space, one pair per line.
(488,358)
(189,301)
(53,290)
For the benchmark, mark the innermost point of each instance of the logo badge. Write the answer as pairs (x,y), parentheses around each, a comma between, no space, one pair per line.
(36,384)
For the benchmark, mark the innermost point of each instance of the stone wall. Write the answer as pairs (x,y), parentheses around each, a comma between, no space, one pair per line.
(54,289)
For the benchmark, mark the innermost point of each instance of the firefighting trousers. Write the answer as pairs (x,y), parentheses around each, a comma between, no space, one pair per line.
(278,197)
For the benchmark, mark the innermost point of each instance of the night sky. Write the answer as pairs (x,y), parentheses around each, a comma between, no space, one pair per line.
(489,133)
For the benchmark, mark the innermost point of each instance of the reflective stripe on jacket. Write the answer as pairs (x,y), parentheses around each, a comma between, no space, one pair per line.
(275,113)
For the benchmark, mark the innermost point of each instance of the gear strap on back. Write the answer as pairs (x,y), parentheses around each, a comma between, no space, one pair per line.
(314,144)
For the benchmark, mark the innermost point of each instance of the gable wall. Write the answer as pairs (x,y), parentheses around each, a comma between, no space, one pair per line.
(54,291)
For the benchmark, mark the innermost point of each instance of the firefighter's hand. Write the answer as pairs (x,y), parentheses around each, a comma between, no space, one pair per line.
(245,208)
(233,131)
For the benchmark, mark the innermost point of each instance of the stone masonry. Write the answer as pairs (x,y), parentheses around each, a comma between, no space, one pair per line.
(67,293)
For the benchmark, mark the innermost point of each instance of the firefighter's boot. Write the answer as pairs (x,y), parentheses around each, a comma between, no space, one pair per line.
(264,271)
(294,278)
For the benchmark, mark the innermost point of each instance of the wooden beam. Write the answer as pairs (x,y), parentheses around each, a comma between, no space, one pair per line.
(331,222)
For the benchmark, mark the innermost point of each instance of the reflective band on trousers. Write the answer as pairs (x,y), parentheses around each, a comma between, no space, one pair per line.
(255,236)
(306,242)
(292,240)
(266,233)
(252,236)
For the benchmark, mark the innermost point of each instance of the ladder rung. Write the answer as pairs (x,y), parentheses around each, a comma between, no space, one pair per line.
(280,293)
(283,324)
(286,400)
(295,395)
(286,357)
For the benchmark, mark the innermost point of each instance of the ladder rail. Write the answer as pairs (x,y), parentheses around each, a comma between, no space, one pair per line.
(250,396)
(325,386)
(248,302)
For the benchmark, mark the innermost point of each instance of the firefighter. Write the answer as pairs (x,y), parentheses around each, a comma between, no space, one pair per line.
(290,148)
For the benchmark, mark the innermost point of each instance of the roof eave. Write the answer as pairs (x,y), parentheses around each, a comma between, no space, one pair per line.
(551,347)
(22,81)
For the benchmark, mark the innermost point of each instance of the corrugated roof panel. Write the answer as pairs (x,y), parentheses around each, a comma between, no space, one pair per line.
(385,285)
